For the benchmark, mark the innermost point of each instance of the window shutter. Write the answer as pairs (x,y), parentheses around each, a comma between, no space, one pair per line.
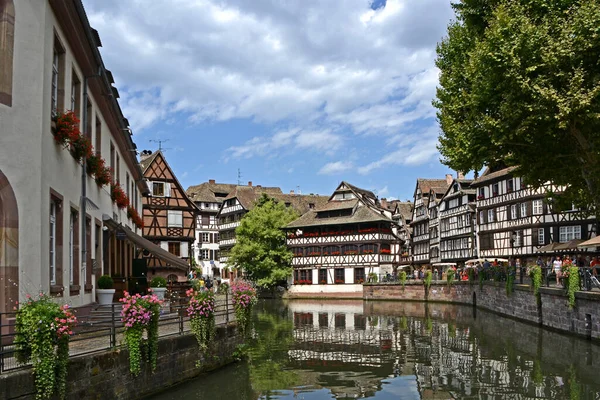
(544,207)
(508,213)
(167,189)
(534,236)
(529,208)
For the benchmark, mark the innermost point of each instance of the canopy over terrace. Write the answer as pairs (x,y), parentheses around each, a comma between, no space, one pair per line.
(556,247)
(482,260)
(594,242)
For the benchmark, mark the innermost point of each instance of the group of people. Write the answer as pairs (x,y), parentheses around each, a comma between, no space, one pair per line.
(202,282)
(557,263)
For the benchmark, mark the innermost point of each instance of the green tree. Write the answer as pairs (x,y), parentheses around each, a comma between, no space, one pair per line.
(520,86)
(260,247)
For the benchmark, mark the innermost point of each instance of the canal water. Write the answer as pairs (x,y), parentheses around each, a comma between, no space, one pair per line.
(317,350)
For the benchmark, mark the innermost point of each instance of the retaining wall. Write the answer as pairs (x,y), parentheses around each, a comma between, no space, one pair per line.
(552,312)
(106,375)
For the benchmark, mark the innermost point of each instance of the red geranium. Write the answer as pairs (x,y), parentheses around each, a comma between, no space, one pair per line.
(118,196)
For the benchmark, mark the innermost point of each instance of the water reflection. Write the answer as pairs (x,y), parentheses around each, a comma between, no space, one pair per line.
(384,350)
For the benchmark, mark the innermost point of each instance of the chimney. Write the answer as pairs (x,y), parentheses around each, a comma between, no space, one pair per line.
(449,179)
(460,175)
(250,183)
(384,203)
(291,192)
(211,181)
(145,154)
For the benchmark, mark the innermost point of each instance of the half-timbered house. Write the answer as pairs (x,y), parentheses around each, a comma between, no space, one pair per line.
(457,225)
(208,197)
(237,204)
(515,220)
(402,212)
(169,218)
(342,242)
(426,196)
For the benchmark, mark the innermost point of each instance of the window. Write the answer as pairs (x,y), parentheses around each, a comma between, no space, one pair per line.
(538,207)
(311,205)
(510,185)
(490,215)
(112,159)
(98,136)
(359,275)
(513,211)
(453,203)
(340,320)
(53,208)
(7,39)
(541,238)
(72,244)
(118,168)
(75,93)
(568,233)
(204,254)
(205,237)
(175,248)
(323,320)
(495,189)
(523,210)
(322,276)
(339,275)
(481,194)
(486,241)
(160,189)
(518,238)
(56,76)
(481,217)
(175,219)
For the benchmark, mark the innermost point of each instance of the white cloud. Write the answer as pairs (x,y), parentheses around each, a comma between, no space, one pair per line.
(336,167)
(327,69)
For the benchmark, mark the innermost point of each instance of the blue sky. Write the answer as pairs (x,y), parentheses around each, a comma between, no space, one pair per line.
(297,94)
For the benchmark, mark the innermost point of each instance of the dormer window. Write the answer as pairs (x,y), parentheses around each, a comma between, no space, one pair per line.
(455,187)
(311,205)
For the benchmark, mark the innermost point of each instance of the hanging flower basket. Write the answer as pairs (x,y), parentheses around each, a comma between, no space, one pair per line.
(67,128)
(117,194)
(81,148)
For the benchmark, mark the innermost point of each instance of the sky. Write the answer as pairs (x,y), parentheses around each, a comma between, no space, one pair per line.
(299,94)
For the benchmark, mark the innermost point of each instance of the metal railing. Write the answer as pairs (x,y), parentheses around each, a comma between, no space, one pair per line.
(103,330)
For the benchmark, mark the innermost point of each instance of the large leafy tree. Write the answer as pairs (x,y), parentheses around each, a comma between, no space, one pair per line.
(520,86)
(260,247)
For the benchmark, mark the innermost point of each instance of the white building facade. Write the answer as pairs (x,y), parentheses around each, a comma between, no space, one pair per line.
(50,63)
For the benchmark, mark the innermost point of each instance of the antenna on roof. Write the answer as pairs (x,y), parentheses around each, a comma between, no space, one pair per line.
(239,177)
(298,189)
(160,142)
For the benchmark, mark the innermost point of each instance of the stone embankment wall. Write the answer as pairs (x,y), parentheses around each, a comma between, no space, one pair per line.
(106,375)
(552,312)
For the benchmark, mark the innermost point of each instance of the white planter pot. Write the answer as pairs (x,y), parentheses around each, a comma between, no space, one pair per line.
(105,296)
(159,292)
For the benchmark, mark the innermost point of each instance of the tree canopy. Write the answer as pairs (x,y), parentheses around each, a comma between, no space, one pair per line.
(520,86)
(260,247)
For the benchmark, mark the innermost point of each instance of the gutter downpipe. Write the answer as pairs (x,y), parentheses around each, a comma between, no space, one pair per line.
(84,249)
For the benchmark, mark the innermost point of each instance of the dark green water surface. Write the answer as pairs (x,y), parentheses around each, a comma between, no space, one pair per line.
(317,350)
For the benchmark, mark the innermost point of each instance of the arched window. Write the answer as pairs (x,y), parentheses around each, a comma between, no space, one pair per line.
(172,278)
(7,40)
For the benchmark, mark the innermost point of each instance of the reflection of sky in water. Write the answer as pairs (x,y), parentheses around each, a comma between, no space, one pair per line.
(345,350)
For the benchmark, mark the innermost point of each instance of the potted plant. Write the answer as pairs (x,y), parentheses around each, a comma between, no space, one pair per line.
(159,286)
(105,290)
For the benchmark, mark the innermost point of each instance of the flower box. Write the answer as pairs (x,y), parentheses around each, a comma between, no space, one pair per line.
(339,281)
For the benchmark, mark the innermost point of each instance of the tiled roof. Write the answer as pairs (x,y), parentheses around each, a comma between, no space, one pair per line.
(362,214)
(338,205)
(406,209)
(205,192)
(437,185)
(145,163)
(248,195)
(488,176)
(359,190)
(301,202)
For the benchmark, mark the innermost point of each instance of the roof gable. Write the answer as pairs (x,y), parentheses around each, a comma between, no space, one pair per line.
(158,169)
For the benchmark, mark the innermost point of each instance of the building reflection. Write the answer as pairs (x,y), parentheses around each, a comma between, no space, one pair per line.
(355,353)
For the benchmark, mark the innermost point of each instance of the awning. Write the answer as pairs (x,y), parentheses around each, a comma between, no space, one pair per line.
(594,242)
(549,247)
(159,252)
(570,245)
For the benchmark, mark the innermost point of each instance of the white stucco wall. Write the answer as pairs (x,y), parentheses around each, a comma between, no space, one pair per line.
(31,160)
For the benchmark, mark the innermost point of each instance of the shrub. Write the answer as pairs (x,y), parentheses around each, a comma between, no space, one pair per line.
(373,277)
(450,276)
(402,278)
(105,282)
(158,282)
(201,310)
(244,297)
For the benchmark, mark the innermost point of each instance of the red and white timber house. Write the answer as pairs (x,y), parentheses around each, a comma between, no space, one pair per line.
(336,246)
